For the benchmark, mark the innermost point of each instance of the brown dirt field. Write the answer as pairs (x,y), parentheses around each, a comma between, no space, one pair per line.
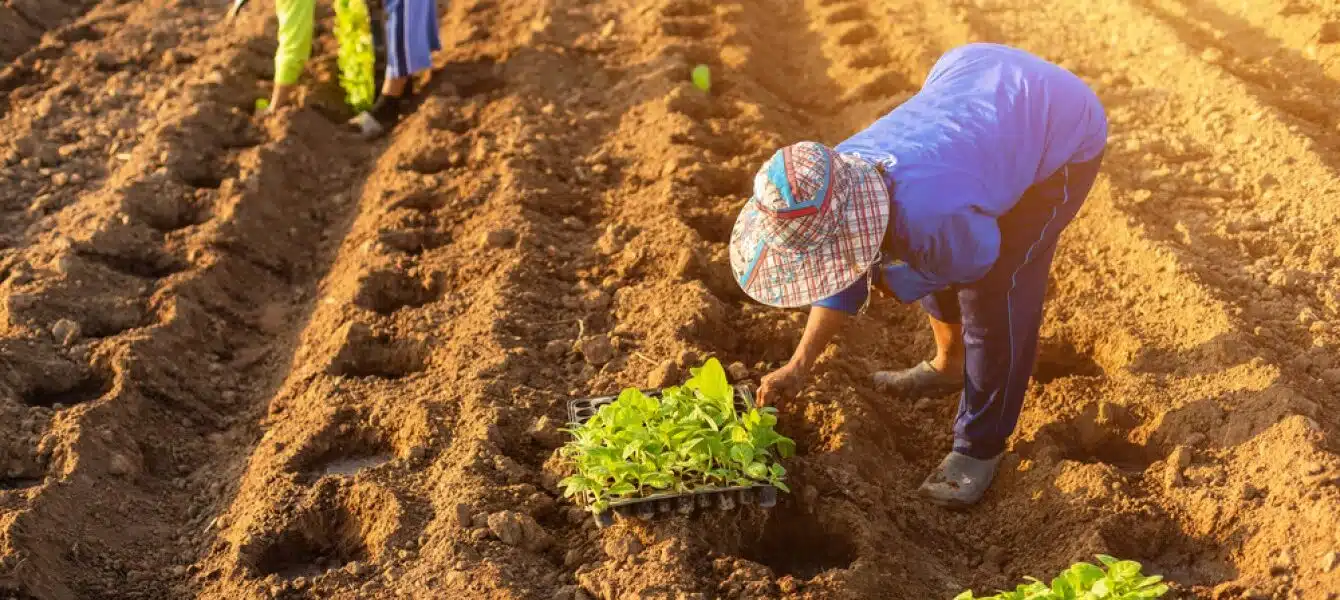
(258,358)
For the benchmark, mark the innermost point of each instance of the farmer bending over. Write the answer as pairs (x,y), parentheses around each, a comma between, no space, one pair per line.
(956,198)
(411,39)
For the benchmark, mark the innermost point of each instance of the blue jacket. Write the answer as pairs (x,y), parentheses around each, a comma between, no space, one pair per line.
(989,122)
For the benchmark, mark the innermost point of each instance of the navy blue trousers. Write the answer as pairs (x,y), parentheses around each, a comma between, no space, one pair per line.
(1002,312)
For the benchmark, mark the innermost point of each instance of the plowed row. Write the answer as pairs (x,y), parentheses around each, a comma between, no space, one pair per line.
(258,358)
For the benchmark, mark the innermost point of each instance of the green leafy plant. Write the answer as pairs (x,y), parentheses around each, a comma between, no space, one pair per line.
(357,56)
(691,438)
(1121,580)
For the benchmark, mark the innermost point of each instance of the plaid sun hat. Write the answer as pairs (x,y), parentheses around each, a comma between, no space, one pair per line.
(812,228)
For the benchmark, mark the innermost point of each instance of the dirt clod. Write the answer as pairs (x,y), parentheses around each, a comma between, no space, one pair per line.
(596,350)
(1329,33)
(66,332)
(517,529)
(1330,561)
(623,546)
(665,374)
(499,238)
(738,372)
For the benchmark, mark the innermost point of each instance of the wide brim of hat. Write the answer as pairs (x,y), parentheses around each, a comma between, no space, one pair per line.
(786,279)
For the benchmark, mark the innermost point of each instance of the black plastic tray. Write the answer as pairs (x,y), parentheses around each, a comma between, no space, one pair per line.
(764,495)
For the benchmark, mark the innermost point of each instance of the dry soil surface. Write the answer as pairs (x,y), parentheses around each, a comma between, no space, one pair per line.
(247,357)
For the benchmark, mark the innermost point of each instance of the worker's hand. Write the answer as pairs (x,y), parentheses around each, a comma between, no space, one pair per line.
(781,385)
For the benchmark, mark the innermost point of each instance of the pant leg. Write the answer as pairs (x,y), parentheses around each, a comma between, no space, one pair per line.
(943,306)
(1002,313)
(411,36)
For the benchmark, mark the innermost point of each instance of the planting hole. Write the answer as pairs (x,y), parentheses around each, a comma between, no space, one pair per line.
(67,392)
(146,268)
(342,526)
(795,543)
(344,456)
(1057,361)
(17,483)
(386,292)
(325,541)
(364,354)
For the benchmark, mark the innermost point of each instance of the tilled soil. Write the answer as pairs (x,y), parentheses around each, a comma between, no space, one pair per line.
(250,357)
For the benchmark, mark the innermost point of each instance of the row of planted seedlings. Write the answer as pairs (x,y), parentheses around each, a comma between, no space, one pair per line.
(697,445)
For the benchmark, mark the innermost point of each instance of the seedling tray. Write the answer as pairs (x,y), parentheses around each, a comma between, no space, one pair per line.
(684,503)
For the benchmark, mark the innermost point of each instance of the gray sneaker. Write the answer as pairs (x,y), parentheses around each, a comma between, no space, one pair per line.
(919,381)
(960,480)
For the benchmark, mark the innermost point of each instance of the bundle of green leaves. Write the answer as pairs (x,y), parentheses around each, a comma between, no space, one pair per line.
(1085,581)
(689,439)
(357,55)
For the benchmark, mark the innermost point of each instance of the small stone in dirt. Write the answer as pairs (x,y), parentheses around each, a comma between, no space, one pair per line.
(464,516)
(66,331)
(994,558)
(596,350)
(1251,492)
(60,179)
(665,374)
(546,433)
(500,238)
(1177,461)
(1283,564)
(573,558)
(623,547)
(688,358)
(1330,561)
(573,222)
(556,348)
(577,516)
(516,529)
(121,466)
(737,371)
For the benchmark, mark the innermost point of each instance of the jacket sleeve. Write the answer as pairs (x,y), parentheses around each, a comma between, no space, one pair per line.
(295,38)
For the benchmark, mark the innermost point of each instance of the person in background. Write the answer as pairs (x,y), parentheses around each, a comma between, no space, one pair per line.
(955,199)
(411,38)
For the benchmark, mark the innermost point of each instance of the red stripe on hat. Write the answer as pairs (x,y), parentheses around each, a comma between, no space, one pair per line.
(753,273)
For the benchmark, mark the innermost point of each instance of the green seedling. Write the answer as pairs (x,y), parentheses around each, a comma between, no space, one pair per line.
(689,439)
(262,104)
(702,78)
(357,57)
(1121,580)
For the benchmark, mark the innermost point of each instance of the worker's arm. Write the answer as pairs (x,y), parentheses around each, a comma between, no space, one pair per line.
(823,325)
(295,45)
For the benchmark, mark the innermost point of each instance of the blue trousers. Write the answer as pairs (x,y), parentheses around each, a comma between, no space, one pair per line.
(411,36)
(1002,312)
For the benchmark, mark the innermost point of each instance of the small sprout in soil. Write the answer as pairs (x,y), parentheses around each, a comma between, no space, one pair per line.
(691,439)
(1084,581)
(262,104)
(702,78)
